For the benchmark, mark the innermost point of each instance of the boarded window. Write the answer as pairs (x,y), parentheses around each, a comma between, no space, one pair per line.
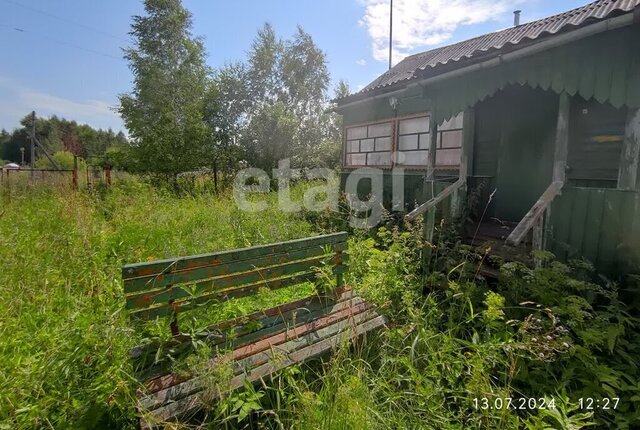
(369,145)
(595,143)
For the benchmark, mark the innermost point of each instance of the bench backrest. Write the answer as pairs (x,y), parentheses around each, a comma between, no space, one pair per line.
(166,287)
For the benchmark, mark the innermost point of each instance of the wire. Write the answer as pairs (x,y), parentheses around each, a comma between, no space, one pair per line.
(61,42)
(68,21)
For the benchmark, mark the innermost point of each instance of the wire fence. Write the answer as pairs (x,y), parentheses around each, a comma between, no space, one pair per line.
(86,177)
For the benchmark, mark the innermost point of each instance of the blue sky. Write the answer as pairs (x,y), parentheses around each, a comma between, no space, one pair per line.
(63,56)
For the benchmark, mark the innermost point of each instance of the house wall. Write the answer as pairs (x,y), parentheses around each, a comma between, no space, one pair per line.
(603,225)
(416,190)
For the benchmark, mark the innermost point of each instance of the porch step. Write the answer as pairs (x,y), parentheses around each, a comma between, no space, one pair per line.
(491,235)
(492,230)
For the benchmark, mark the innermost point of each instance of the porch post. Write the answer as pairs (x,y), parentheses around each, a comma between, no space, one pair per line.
(562,139)
(628,171)
(466,159)
(466,153)
(542,230)
(430,215)
(433,140)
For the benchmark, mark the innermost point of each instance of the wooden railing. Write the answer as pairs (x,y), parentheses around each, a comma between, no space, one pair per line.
(434,201)
(534,219)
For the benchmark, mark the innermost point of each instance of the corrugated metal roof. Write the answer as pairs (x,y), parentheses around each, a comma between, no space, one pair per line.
(481,46)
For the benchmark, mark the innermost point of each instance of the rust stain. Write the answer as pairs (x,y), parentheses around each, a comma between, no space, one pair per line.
(604,138)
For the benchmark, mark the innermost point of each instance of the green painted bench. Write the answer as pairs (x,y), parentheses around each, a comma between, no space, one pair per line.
(251,347)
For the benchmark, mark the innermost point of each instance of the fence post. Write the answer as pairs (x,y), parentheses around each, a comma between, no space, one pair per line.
(107,174)
(75,172)
(215,175)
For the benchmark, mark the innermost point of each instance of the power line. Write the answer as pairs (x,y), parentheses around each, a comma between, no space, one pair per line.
(61,42)
(68,21)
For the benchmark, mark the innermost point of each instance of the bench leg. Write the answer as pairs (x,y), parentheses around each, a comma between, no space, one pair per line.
(175,330)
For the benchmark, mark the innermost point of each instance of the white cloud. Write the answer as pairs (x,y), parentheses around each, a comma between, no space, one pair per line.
(361,62)
(424,23)
(16,101)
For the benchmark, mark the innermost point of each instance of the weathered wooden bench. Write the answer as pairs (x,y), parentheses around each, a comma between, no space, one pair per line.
(252,347)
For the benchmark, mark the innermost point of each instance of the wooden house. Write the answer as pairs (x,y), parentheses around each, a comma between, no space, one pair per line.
(545,114)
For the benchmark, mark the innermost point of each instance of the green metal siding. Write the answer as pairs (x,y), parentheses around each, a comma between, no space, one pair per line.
(416,190)
(603,225)
(412,102)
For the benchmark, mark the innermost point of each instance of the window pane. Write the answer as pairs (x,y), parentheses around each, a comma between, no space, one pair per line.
(366,145)
(448,157)
(412,158)
(415,125)
(380,130)
(379,159)
(356,159)
(425,140)
(383,144)
(353,146)
(452,139)
(356,133)
(408,142)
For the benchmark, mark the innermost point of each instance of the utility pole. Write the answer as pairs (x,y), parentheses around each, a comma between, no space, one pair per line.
(390,32)
(33,141)
(22,155)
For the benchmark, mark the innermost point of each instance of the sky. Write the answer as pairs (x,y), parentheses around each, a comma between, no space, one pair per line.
(64,57)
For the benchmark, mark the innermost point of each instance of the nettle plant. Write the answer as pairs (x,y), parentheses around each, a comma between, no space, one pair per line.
(597,335)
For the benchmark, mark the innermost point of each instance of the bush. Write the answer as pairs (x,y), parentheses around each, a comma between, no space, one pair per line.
(63,159)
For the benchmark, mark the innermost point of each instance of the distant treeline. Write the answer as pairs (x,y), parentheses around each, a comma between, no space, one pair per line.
(61,135)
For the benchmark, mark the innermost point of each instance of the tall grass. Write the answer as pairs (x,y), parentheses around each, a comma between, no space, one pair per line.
(64,335)
(452,341)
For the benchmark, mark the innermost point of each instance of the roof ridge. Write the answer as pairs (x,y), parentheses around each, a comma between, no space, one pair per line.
(521,26)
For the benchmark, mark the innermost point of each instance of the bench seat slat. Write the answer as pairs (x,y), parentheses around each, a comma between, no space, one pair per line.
(253,340)
(163,391)
(239,322)
(155,267)
(187,404)
(161,279)
(244,333)
(286,348)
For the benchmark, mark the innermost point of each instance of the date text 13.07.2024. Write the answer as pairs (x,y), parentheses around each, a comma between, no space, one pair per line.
(523,403)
